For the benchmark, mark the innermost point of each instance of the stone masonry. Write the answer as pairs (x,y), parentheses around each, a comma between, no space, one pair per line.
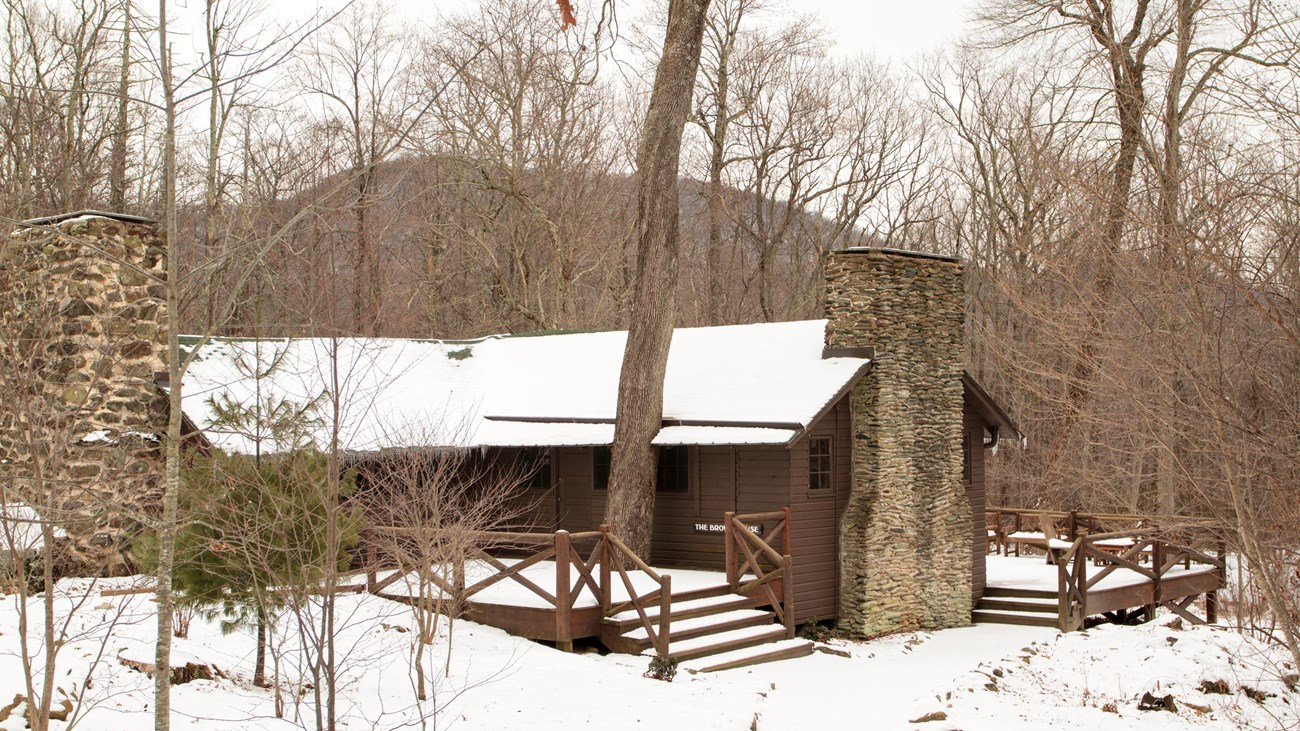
(905,539)
(84,319)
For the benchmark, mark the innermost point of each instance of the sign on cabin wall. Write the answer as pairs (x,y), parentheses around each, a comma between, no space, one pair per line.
(721,528)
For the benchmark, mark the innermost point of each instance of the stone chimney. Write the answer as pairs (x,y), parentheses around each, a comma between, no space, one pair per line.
(905,539)
(86,291)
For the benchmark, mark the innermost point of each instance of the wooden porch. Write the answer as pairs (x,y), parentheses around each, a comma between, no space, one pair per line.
(564,587)
(1084,572)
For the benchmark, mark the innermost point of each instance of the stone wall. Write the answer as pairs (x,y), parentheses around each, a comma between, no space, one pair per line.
(82,330)
(905,543)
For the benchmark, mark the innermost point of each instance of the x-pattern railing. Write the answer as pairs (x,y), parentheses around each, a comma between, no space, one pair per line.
(762,560)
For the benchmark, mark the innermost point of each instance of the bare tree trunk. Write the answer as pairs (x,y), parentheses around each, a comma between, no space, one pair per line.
(630,511)
(1126,58)
(172,472)
(259,670)
(117,153)
(718,148)
(51,647)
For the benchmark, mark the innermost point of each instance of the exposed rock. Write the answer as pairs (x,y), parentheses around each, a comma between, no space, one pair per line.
(1151,702)
(60,713)
(181,674)
(827,649)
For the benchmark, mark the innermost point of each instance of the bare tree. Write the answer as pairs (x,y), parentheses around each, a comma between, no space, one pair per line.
(359,67)
(55,97)
(740,59)
(1120,39)
(431,511)
(518,140)
(630,510)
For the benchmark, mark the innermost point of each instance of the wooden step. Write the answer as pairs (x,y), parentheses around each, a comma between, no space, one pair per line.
(635,640)
(770,652)
(715,644)
(721,622)
(998,591)
(704,606)
(703,592)
(1012,604)
(1031,619)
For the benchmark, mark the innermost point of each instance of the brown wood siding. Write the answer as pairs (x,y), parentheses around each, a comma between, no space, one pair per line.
(815,518)
(844,474)
(975,493)
(528,508)
(744,479)
(714,485)
(573,472)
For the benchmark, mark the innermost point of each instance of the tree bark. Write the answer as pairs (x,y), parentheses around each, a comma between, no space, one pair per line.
(630,511)
(259,669)
(717,155)
(172,469)
(121,128)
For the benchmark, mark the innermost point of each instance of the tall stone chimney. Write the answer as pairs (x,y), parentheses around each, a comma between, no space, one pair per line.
(905,538)
(84,304)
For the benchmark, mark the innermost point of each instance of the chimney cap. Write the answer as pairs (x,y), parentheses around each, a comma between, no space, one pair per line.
(60,218)
(898,252)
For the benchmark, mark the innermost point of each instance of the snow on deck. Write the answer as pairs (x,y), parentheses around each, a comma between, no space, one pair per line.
(509,592)
(1035,574)
(739,384)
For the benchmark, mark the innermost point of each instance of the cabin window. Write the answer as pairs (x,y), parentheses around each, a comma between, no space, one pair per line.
(536,462)
(600,468)
(674,474)
(674,469)
(819,463)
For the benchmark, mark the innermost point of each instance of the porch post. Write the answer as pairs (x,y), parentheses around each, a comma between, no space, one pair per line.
(788,598)
(729,542)
(563,589)
(665,615)
(1158,566)
(606,589)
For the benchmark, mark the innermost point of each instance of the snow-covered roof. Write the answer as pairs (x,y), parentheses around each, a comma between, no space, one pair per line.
(740,384)
(20,528)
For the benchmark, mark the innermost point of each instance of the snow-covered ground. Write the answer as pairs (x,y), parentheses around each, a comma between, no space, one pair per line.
(985,677)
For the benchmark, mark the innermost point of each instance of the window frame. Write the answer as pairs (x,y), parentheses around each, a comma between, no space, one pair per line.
(828,472)
(682,467)
(685,475)
(543,477)
(596,483)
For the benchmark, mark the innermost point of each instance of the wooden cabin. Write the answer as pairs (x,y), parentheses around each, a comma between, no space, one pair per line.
(758,418)
(699,483)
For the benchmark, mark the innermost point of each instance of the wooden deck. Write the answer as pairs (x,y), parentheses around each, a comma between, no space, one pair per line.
(563,587)
(1087,578)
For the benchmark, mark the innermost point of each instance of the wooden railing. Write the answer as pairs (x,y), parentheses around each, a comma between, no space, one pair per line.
(1074,523)
(762,560)
(1074,580)
(615,553)
(608,556)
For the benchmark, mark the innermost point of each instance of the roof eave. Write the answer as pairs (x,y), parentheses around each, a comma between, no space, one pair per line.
(988,409)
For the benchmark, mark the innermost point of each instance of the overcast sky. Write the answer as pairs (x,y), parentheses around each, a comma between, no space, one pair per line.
(894,30)
(891,29)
